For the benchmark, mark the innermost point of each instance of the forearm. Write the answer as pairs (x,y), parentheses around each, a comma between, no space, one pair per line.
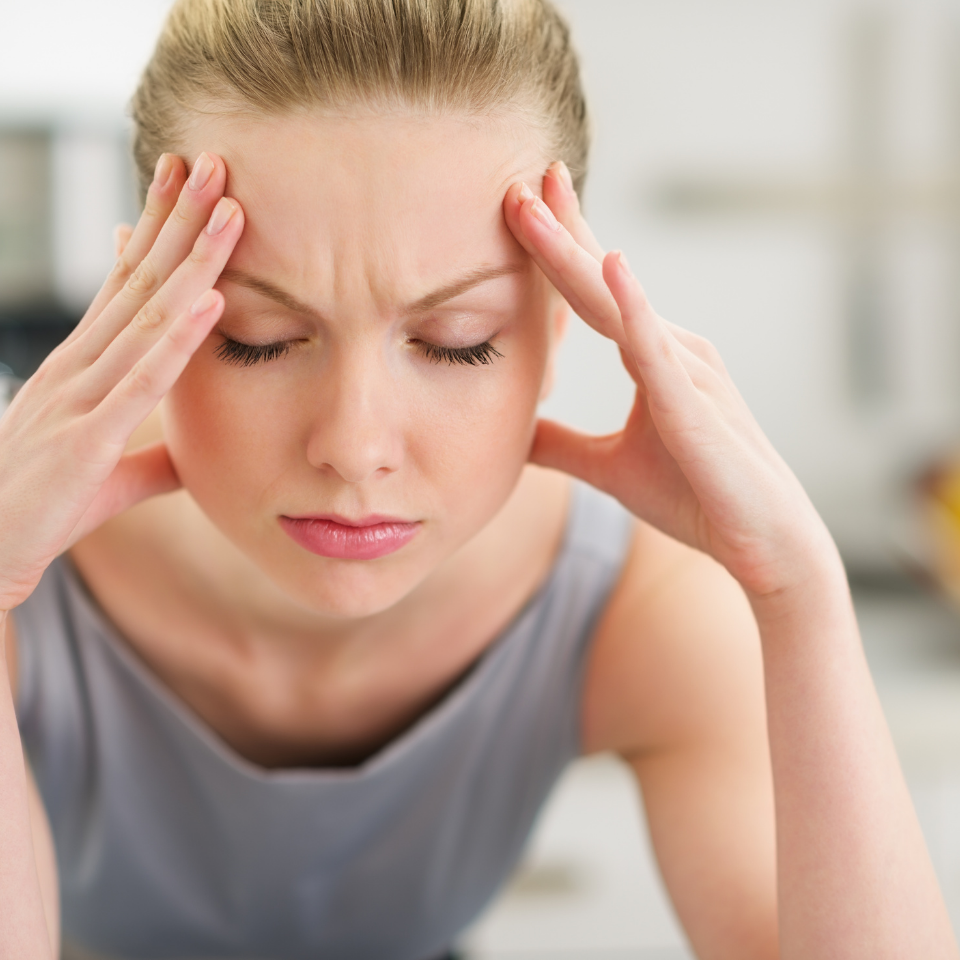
(855,880)
(854,877)
(23,926)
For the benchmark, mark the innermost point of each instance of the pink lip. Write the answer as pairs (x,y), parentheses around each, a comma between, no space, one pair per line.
(344,539)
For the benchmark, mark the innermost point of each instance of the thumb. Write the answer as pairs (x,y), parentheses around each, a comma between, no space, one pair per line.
(145,473)
(578,454)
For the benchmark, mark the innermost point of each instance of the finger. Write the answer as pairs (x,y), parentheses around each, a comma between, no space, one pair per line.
(122,233)
(700,347)
(569,267)
(136,395)
(561,197)
(143,473)
(197,273)
(161,199)
(698,357)
(147,472)
(630,365)
(580,455)
(197,199)
(652,346)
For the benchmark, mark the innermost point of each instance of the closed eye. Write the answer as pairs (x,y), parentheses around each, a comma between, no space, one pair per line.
(480,354)
(250,354)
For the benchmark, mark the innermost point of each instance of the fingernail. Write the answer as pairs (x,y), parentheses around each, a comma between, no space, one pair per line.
(525,193)
(222,213)
(544,214)
(203,303)
(201,173)
(164,168)
(563,175)
(622,263)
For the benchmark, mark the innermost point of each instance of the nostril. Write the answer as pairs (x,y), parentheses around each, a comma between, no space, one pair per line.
(353,461)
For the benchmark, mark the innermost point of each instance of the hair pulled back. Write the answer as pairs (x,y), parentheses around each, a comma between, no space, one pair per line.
(474,57)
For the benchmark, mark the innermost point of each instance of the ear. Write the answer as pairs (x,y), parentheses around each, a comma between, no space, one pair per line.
(559,318)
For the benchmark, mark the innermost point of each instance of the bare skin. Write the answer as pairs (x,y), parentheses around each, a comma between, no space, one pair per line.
(732,589)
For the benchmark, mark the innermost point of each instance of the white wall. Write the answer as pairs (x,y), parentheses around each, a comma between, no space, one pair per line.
(758,91)
(69,55)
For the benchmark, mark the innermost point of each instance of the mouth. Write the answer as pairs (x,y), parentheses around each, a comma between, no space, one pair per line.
(343,539)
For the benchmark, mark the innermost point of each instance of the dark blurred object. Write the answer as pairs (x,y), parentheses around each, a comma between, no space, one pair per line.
(26,338)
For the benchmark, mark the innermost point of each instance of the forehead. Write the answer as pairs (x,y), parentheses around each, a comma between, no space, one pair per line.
(387,200)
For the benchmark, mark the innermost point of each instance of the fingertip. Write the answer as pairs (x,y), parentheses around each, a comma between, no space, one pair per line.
(512,196)
(644,329)
(179,175)
(122,233)
(626,288)
(163,170)
(219,166)
(513,203)
(536,215)
(562,172)
(615,263)
(619,277)
(219,301)
(518,196)
(208,305)
(558,189)
(223,214)
(168,176)
(207,176)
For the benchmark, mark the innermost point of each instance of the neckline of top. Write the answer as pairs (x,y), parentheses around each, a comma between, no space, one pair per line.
(453,701)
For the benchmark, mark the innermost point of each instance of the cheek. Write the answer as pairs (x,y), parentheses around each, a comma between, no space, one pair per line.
(474,426)
(236,435)
(219,430)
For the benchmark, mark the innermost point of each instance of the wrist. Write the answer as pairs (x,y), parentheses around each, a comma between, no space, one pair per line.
(814,584)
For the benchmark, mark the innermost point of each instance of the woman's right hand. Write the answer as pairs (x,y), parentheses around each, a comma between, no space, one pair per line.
(63,470)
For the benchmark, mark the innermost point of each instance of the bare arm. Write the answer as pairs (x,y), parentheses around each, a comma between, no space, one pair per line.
(64,469)
(27,872)
(855,879)
(675,686)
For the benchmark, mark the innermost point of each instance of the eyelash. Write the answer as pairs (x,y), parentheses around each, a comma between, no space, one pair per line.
(481,354)
(249,354)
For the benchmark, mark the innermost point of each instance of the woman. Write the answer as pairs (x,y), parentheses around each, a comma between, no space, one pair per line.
(308,701)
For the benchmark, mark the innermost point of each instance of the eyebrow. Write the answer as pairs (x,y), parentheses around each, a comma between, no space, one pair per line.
(467,282)
(448,292)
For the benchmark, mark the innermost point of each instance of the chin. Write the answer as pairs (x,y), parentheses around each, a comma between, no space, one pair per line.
(347,589)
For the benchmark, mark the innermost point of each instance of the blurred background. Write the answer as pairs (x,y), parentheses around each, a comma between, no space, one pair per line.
(785,179)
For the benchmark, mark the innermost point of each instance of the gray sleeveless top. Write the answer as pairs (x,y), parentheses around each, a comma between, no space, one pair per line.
(171,845)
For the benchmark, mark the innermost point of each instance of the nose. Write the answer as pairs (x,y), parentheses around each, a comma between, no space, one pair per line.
(354,432)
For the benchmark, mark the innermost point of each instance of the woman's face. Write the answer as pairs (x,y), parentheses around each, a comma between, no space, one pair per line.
(366,404)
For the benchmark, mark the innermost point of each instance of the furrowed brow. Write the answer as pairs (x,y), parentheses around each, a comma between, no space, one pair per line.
(461,286)
(266,289)
(454,289)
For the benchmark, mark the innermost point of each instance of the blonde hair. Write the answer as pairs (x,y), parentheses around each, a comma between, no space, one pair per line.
(478,57)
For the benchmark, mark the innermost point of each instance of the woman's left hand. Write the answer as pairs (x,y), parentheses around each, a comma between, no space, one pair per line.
(691,459)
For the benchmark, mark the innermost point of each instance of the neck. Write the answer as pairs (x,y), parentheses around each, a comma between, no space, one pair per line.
(267,674)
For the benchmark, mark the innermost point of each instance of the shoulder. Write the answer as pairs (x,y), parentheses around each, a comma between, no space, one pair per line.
(676,654)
